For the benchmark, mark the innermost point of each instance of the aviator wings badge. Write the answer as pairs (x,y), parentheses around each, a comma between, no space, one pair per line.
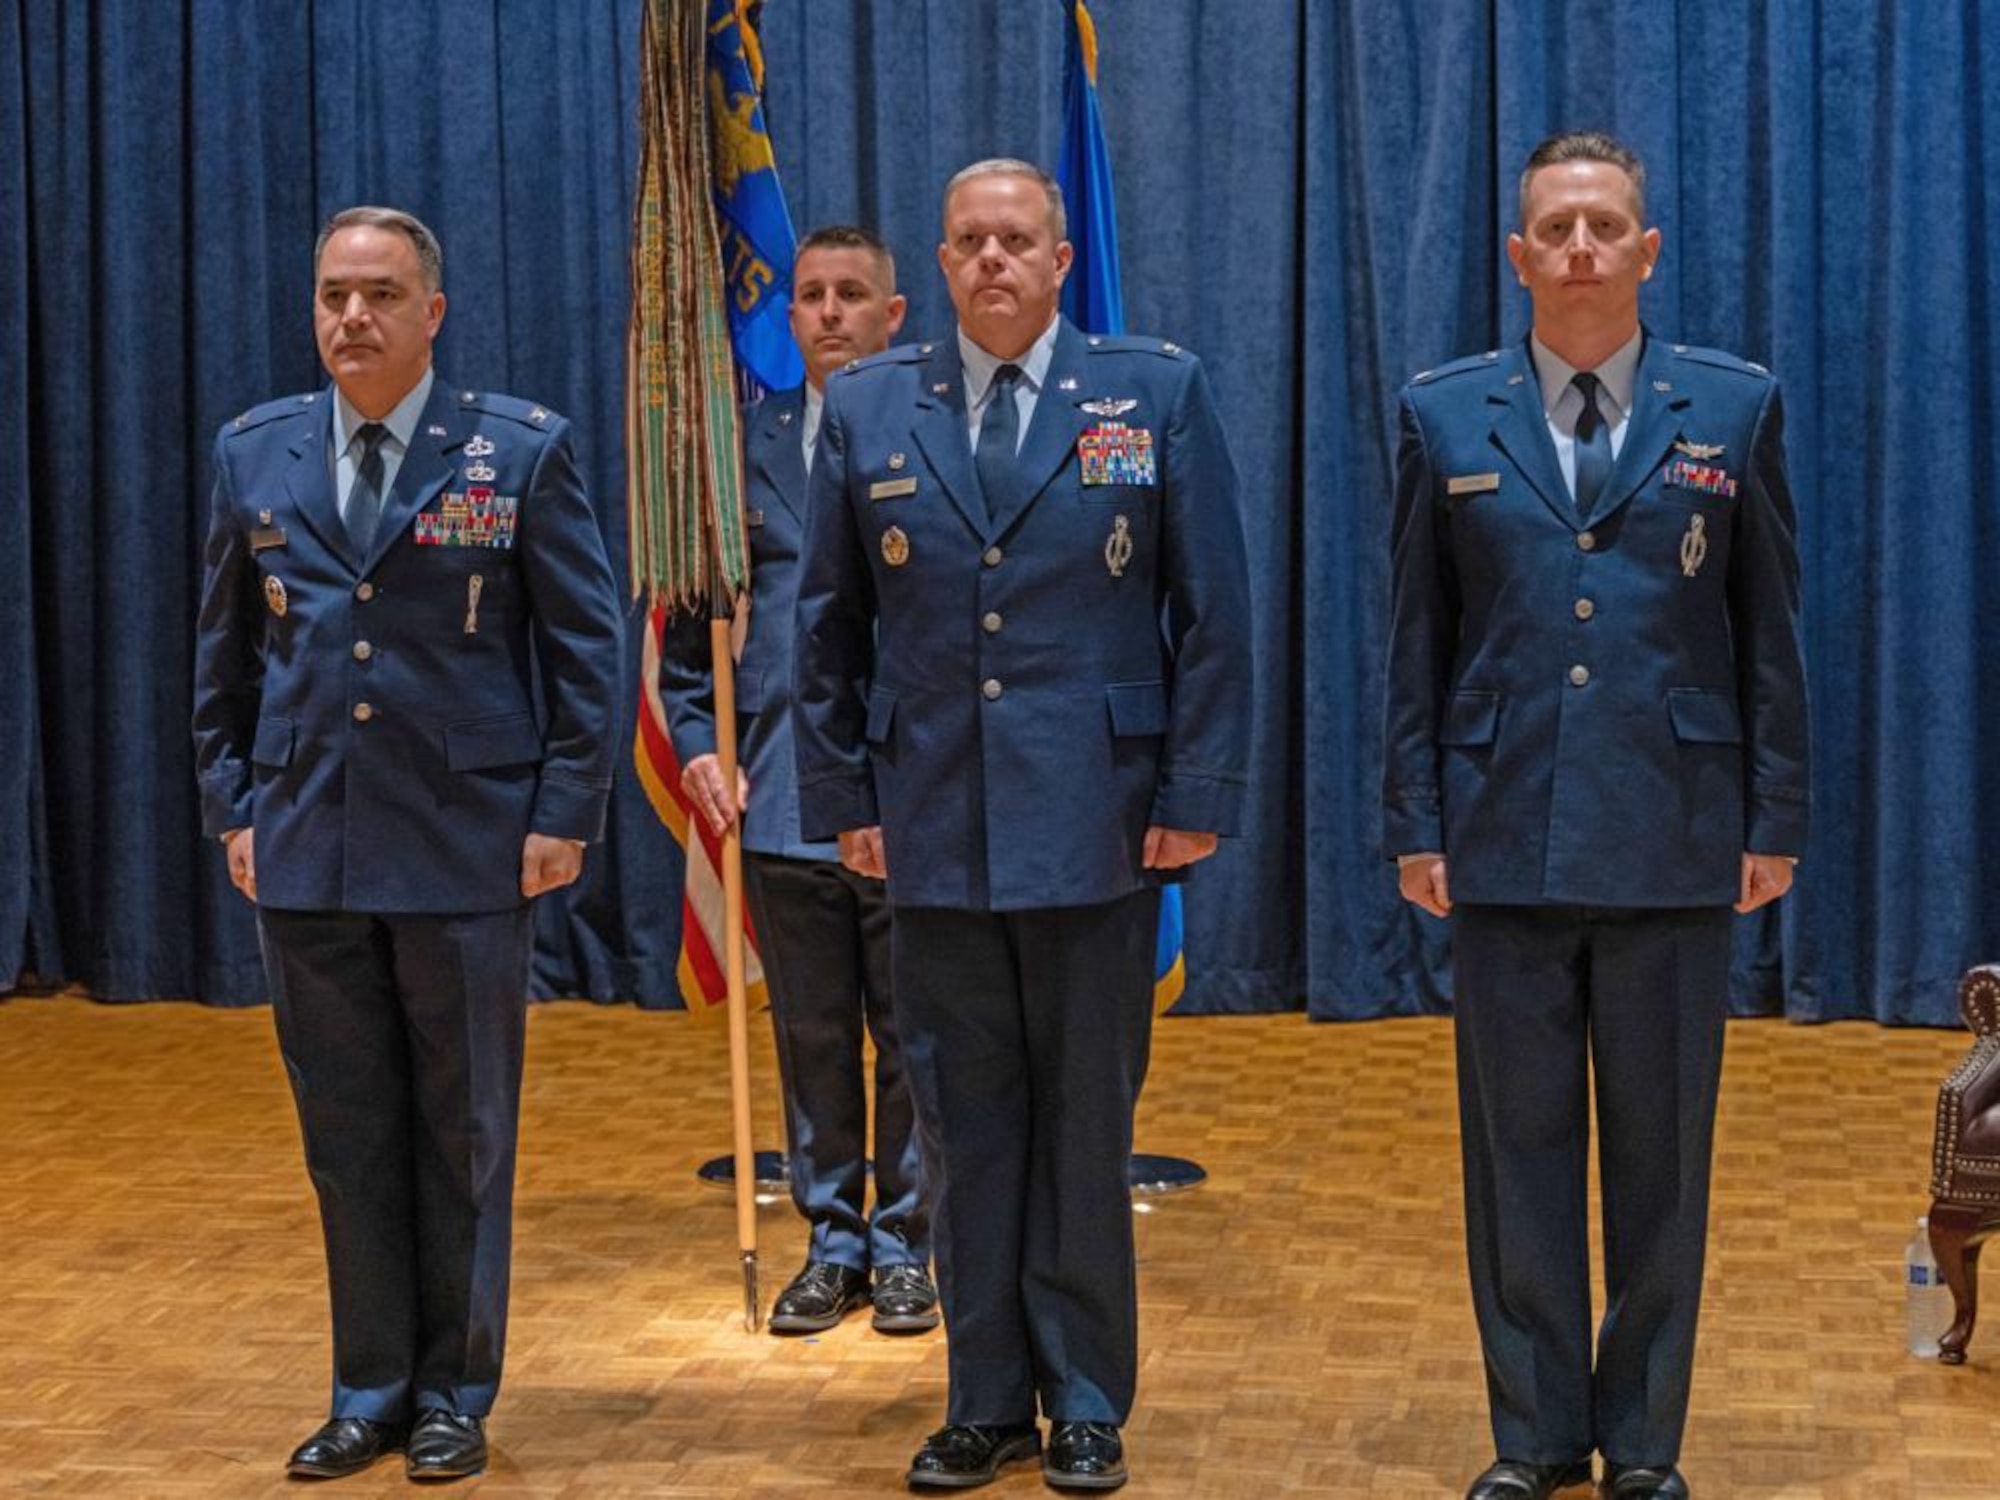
(1110,406)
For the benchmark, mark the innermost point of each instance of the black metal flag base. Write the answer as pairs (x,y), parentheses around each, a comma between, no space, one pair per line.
(1150,1176)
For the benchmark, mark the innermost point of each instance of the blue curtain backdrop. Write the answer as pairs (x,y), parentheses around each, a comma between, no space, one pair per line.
(1311,195)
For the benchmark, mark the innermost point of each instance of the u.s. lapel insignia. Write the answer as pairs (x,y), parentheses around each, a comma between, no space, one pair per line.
(1110,406)
(274,594)
(1694,546)
(897,460)
(1067,383)
(942,388)
(435,431)
(1118,547)
(895,547)
(1700,452)
(784,419)
(478,446)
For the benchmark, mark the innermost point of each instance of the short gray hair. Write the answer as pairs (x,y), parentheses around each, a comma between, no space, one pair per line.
(430,259)
(1013,166)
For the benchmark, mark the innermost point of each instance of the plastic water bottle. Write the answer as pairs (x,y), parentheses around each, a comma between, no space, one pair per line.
(1927,1300)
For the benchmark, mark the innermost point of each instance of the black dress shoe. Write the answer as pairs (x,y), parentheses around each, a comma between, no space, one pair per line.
(1508,1480)
(345,1445)
(445,1445)
(963,1457)
(906,1300)
(1084,1456)
(1643,1482)
(819,1297)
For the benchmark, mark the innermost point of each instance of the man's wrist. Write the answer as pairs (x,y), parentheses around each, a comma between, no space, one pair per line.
(1403,861)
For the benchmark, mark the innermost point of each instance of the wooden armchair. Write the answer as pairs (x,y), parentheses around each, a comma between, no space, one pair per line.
(1965,1158)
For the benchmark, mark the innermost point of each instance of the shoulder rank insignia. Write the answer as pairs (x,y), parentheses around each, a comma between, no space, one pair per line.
(1110,406)
(1700,452)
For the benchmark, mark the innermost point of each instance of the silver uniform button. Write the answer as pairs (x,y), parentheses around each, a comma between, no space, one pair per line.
(991,622)
(364,591)
(991,688)
(362,651)
(1585,608)
(1586,540)
(1579,675)
(363,712)
(991,557)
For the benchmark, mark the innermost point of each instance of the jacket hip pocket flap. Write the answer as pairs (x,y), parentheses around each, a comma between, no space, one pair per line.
(881,715)
(1704,716)
(1137,708)
(1471,717)
(481,744)
(273,744)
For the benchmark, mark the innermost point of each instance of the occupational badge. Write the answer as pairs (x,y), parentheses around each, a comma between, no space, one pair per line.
(1694,546)
(1115,453)
(478,446)
(895,547)
(1700,452)
(274,594)
(1110,406)
(479,472)
(1118,547)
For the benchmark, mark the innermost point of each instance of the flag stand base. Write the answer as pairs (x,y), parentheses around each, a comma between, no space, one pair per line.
(774,1181)
(1156,1176)
(1150,1176)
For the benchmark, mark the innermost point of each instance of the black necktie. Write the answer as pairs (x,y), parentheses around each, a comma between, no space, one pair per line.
(999,436)
(1593,446)
(364,496)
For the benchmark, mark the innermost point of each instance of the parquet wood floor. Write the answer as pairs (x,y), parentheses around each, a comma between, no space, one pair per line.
(1305,1324)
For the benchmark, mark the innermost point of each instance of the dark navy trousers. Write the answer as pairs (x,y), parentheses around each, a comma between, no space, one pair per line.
(1547,997)
(823,934)
(403,1036)
(1026,1035)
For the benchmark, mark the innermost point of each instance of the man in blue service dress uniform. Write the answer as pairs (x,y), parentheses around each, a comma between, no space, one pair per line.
(403,705)
(1596,744)
(824,930)
(1021,682)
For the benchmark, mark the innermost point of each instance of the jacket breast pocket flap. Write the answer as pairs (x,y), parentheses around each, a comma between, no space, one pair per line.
(1137,708)
(881,715)
(1704,716)
(1471,717)
(273,745)
(481,744)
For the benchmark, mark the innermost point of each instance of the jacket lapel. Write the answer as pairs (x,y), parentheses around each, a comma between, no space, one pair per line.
(1052,435)
(1650,430)
(777,448)
(940,430)
(309,481)
(1521,431)
(424,469)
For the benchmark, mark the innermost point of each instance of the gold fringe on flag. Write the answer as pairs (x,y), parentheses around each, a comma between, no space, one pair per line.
(684,490)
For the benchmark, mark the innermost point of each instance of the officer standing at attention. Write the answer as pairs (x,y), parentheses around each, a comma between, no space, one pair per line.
(1596,744)
(1021,682)
(404,692)
(823,929)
